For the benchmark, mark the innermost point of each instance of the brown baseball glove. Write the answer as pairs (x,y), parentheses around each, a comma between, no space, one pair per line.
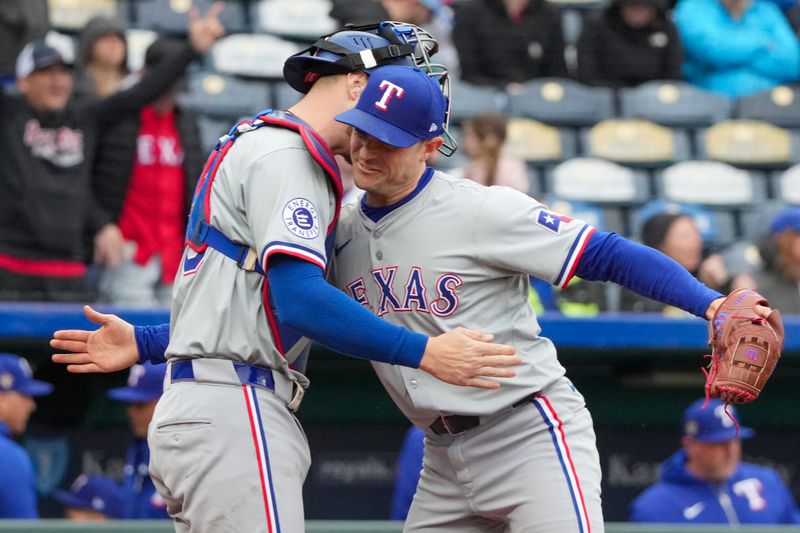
(745,348)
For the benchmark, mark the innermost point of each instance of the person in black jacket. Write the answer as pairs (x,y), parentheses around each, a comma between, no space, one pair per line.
(144,178)
(504,42)
(49,143)
(628,43)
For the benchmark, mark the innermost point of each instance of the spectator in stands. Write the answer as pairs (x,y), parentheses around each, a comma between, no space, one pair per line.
(779,277)
(409,466)
(677,236)
(101,66)
(49,142)
(431,15)
(484,136)
(737,47)
(145,383)
(91,498)
(628,43)
(17,392)
(21,21)
(705,481)
(508,42)
(144,178)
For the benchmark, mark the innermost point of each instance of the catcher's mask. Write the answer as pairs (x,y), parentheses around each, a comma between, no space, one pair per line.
(363,48)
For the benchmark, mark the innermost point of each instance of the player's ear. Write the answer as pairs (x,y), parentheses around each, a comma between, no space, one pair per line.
(356,81)
(430,147)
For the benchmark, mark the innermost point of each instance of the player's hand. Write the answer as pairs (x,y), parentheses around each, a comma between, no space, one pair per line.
(466,357)
(108,349)
(206,30)
(109,246)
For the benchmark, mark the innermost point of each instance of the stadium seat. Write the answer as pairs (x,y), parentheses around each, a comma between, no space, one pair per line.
(597,181)
(780,107)
(788,188)
(72,15)
(252,55)
(469,100)
(749,143)
(211,129)
(709,183)
(716,226)
(538,143)
(138,41)
(225,97)
(172,16)
(66,44)
(675,104)
(294,19)
(561,102)
(571,25)
(635,142)
(756,220)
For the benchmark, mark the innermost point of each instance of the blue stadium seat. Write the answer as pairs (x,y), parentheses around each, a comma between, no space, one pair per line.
(469,100)
(598,181)
(562,102)
(675,104)
(294,19)
(226,97)
(252,55)
(716,226)
(172,16)
(779,106)
(636,142)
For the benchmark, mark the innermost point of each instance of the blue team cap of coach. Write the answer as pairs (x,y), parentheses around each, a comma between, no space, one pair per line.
(16,375)
(145,384)
(400,106)
(713,424)
(93,493)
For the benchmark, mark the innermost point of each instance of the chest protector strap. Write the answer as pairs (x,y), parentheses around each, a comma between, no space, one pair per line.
(200,234)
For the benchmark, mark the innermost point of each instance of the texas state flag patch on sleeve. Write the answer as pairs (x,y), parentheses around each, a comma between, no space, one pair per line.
(551,221)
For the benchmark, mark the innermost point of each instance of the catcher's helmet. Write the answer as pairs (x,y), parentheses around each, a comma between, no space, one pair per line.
(343,52)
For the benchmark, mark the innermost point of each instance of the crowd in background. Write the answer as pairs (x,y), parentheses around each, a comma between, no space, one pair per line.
(100,162)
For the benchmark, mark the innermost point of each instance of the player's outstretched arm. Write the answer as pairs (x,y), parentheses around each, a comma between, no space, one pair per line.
(465,357)
(108,349)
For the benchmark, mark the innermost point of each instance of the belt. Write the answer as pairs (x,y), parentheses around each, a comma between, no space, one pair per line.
(256,376)
(457,424)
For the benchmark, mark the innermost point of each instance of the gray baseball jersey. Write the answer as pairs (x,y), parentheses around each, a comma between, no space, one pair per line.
(271,195)
(459,254)
(456,253)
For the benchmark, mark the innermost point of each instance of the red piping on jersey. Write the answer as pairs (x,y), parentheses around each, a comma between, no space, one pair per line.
(258,456)
(578,258)
(569,456)
(42,267)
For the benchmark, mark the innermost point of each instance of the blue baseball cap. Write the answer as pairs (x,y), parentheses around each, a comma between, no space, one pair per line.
(16,375)
(712,424)
(787,219)
(400,106)
(145,384)
(93,493)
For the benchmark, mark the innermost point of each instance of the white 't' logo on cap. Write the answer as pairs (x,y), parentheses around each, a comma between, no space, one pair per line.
(389,90)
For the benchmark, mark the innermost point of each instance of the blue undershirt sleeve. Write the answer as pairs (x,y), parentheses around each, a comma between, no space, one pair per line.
(316,309)
(152,342)
(610,257)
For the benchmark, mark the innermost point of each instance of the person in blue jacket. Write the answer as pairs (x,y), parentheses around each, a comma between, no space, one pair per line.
(737,47)
(145,383)
(409,465)
(17,479)
(705,482)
